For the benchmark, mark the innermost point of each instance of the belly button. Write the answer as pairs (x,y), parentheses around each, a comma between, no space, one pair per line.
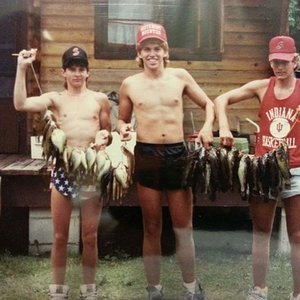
(163,135)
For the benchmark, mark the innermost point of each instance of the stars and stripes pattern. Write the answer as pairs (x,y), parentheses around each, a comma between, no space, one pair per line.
(63,184)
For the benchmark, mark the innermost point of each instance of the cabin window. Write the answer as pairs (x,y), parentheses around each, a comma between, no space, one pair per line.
(193,27)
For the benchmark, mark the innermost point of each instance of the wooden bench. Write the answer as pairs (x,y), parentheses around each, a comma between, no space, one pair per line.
(25,186)
(24,181)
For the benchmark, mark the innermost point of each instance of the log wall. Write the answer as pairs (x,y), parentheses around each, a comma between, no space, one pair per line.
(247,27)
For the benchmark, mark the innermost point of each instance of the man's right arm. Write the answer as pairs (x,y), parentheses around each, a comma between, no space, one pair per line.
(21,102)
(124,126)
(245,92)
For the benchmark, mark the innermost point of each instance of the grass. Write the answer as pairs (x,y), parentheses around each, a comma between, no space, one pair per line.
(224,275)
(223,263)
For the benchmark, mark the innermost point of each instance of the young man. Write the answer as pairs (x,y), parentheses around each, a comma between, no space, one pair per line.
(81,114)
(279,98)
(156,97)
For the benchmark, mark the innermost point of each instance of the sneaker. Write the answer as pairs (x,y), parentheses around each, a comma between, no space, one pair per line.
(294,298)
(58,292)
(197,295)
(257,293)
(88,292)
(154,293)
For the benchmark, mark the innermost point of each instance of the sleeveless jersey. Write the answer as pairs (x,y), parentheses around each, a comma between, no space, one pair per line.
(277,123)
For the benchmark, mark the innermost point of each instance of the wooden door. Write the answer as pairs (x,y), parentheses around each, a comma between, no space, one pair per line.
(12,39)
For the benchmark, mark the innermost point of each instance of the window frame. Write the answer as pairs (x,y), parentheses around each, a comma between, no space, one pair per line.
(212,52)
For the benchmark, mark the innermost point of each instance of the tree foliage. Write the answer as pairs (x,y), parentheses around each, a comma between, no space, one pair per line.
(294,17)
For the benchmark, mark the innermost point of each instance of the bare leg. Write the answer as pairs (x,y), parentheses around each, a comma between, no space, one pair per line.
(262,221)
(150,201)
(90,218)
(61,208)
(292,209)
(181,210)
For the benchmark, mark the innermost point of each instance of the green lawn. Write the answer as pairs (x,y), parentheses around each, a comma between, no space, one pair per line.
(224,271)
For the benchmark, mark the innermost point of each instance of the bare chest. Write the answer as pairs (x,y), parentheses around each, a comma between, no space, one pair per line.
(77,108)
(281,94)
(157,94)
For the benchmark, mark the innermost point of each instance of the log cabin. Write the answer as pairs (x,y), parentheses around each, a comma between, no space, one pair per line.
(222,43)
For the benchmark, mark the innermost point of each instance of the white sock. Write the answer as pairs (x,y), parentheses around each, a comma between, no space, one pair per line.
(190,286)
(158,286)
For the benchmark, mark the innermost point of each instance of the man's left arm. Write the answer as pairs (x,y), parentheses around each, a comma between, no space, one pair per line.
(104,136)
(198,96)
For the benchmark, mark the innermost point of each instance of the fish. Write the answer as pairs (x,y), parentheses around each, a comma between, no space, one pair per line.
(207,177)
(233,163)
(122,175)
(75,159)
(130,162)
(49,151)
(59,139)
(114,187)
(90,158)
(106,168)
(264,171)
(48,115)
(224,170)
(104,185)
(274,175)
(83,160)
(199,173)
(257,188)
(242,175)
(282,158)
(66,158)
(211,173)
(101,158)
(49,126)
(213,169)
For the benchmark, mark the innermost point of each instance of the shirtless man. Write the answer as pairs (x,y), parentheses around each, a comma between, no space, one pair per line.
(279,98)
(156,97)
(81,114)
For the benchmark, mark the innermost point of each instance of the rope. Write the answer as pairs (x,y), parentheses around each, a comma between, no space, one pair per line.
(36,79)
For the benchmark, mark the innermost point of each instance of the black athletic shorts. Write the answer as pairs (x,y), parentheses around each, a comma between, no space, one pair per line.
(161,166)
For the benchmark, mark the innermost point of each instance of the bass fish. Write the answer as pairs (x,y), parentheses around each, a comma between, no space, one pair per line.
(282,158)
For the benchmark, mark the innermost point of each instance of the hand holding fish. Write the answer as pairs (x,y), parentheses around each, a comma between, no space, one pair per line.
(103,138)
(205,137)
(226,138)
(26,57)
(125,132)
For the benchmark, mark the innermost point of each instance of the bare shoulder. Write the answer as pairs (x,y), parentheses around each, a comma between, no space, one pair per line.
(98,96)
(52,95)
(258,84)
(132,79)
(178,72)
(181,74)
(129,82)
(52,98)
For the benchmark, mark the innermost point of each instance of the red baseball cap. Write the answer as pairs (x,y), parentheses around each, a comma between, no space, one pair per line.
(151,31)
(282,48)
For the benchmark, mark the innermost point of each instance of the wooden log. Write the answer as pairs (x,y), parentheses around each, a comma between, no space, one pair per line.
(67,9)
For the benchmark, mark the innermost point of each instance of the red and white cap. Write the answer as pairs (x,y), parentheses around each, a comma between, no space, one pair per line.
(151,31)
(282,48)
